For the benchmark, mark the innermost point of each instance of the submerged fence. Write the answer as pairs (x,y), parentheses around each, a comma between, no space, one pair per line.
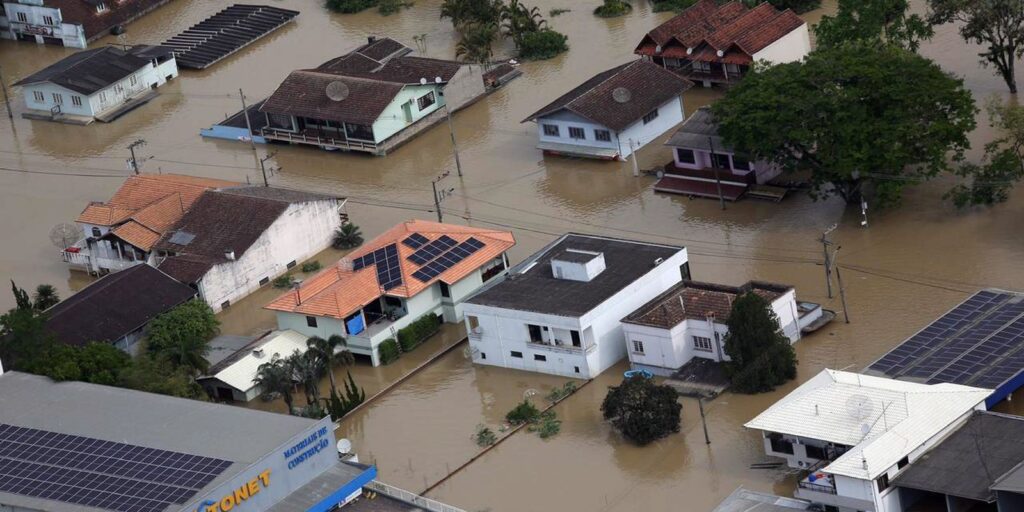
(410,498)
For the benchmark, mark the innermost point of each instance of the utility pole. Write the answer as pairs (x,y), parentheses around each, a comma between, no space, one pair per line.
(825,243)
(245,114)
(263,168)
(7,99)
(455,146)
(703,421)
(440,195)
(131,148)
(718,179)
(632,154)
(842,290)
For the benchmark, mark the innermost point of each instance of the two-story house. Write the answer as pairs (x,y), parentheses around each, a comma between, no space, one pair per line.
(717,43)
(850,434)
(559,311)
(413,269)
(99,84)
(71,23)
(613,114)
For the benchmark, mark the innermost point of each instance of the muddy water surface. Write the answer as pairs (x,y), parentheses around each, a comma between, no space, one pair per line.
(910,265)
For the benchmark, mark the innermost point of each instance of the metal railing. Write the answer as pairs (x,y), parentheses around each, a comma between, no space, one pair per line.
(272,133)
(825,488)
(410,498)
(562,349)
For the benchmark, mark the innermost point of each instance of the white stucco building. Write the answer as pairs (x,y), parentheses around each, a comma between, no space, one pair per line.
(559,311)
(71,23)
(413,269)
(852,434)
(101,84)
(232,378)
(235,240)
(613,113)
(689,320)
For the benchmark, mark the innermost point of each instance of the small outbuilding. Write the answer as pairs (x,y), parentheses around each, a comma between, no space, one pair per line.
(231,379)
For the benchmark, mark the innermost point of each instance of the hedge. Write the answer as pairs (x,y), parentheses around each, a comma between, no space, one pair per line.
(388,350)
(410,336)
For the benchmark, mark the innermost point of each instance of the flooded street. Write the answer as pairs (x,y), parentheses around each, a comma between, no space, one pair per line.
(910,265)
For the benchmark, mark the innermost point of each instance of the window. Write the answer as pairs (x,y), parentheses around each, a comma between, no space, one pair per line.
(538,357)
(517,355)
(576,342)
(76,101)
(686,156)
(103,96)
(638,347)
(483,355)
(290,264)
(815,452)
(96,232)
(902,463)
(445,291)
(425,101)
(535,333)
(225,304)
(577,133)
(651,116)
(100,7)
(132,80)
(551,130)
(474,323)
(47,20)
(603,135)
(882,482)
(265,280)
(22,17)
(310,321)
(576,369)
(58,98)
(118,88)
(740,164)
(38,96)
(702,344)
(720,161)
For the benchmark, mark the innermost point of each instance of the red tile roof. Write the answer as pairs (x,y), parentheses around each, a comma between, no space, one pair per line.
(692,300)
(338,291)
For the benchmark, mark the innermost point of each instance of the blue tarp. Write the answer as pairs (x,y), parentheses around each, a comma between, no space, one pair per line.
(355,326)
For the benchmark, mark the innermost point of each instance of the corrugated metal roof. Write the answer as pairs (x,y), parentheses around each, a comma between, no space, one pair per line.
(241,374)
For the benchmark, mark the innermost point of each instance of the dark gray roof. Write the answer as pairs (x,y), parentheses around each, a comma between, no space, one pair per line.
(1012,481)
(278,194)
(227,32)
(968,462)
(575,256)
(380,49)
(533,287)
(225,346)
(744,500)
(89,71)
(116,305)
(696,131)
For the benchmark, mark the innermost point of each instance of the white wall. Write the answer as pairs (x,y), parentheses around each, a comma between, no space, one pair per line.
(71,34)
(67,105)
(791,47)
(670,114)
(564,120)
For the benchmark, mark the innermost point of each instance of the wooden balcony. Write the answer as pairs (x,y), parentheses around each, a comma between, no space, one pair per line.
(315,138)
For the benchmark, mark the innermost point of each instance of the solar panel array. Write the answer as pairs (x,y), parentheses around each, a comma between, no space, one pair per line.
(415,241)
(389,272)
(96,473)
(432,250)
(448,259)
(979,343)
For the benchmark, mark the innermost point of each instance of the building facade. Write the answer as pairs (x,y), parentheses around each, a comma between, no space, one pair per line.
(70,23)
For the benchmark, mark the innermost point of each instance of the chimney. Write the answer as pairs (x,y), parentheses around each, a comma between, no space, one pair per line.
(229,255)
(297,286)
(371,39)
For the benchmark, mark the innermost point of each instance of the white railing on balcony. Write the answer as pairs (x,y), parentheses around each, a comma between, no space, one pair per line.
(561,349)
(410,498)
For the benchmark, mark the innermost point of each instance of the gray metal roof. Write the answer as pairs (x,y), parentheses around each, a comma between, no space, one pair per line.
(319,488)
(744,500)
(1012,481)
(699,131)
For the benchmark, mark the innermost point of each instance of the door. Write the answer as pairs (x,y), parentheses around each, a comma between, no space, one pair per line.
(407,110)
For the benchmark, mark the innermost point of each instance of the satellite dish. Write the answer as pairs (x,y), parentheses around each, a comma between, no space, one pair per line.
(337,91)
(65,234)
(621,95)
(437,80)
(859,406)
(423,81)
(344,446)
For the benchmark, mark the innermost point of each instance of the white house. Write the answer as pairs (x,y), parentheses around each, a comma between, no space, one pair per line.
(689,320)
(559,311)
(232,378)
(852,433)
(71,23)
(413,269)
(235,240)
(613,113)
(101,84)
(715,43)
(704,165)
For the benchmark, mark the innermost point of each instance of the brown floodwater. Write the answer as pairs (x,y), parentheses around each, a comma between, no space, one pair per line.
(907,267)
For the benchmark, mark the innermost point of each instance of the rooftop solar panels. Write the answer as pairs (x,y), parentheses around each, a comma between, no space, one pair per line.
(448,259)
(415,241)
(225,33)
(979,343)
(97,473)
(389,272)
(432,250)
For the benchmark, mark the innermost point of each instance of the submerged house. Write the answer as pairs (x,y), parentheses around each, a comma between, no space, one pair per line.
(371,99)
(559,311)
(99,84)
(233,378)
(704,165)
(237,239)
(122,231)
(717,44)
(71,23)
(413,269)
(689,320)
(613,113)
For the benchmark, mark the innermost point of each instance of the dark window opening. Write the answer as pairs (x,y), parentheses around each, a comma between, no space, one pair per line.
(576,342)
(740,164)
(538,357)
(516,354)
(902,463)
(651,116)
(551,130)
(290,264)
(264,281)
(535,333)
(882,482)
(96,232)
(603,135)
(684,271)
(225,304)
(311,321)
(425,101)
(445,291)
(686,156)
(577,133)
(719,161)
(815,452)
(483,355)
(576,368)
(780,445)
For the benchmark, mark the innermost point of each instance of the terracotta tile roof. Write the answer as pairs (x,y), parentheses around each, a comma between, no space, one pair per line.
(695,14)
(304,94)
(649,86)
(692,300)
(103,215)
(339,291)
(143,190)
(98,24)
(137,234)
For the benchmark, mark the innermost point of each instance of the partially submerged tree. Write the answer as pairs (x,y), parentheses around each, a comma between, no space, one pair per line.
(45,297)
(996,24)
(990,181)
(347,237)
(798,6)
(873,21)
(330,352)
(856,116)
(642,410)
(475,44)
(182,335)
(275,376)
(761,356)
(23,335)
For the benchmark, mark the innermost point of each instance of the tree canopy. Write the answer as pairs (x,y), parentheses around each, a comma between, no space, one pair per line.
(857,116)
(182,335)
(642,410)
(996,24)
(990,181)
(873,21)
(761,357)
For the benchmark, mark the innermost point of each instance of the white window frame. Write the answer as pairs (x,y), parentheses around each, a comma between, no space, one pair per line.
(22,17)
(650,116)
(39,96)
(58,98)
(638,347)
(599,132)
(132,80)
(702,344)
(48,20)
(76,100)
(576,130)
(551,130)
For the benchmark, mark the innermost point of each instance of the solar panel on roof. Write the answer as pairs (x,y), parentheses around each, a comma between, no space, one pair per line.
(415,240)
(448,259)
(97,473)
(432,250)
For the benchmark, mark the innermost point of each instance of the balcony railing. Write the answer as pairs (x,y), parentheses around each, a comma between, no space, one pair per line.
(816,487)
(561,349)
(410,498)
(312,137)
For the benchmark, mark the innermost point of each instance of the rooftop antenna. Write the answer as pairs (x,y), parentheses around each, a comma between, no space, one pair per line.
(337,91)
(621,95)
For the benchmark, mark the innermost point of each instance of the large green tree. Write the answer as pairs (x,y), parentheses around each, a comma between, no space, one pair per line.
(873,20)
(642,410)
(998,25)
(761,357)
(182,335)
(23,335)
(990,181)
(855,116)
(275,376)
(329,353)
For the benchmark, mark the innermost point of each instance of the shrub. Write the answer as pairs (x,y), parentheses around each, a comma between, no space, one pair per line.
(350,6)
(543,44)
(283,282)
(525,412)
(642,410)
(389,7)
(311,266)
(410,336)
(672,5)
(484,436)
(389,351)
(613,8)
(557,12)
(547,425)
(558,394)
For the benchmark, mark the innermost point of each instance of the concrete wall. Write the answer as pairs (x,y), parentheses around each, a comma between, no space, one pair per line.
(669,115)
(764,171)
(303,230)
(393,119)
(791,47)
(465,87)
(71,34)
(564,120)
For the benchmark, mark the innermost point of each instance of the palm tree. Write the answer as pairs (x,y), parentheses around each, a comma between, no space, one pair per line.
(327,352)
(275,376)
(475,44)
(519,20)
(45,297)
(347,237)
(307,369)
